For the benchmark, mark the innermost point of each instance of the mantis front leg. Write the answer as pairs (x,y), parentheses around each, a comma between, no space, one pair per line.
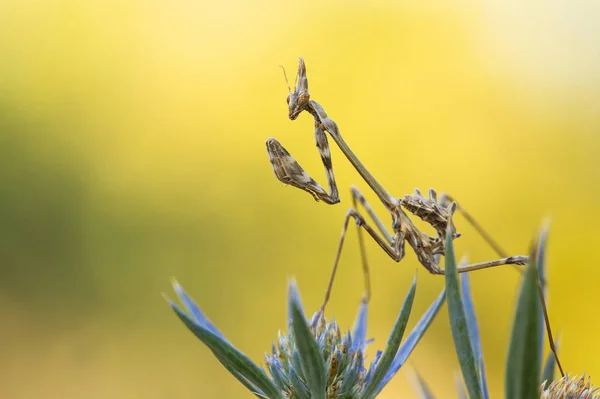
(289,171)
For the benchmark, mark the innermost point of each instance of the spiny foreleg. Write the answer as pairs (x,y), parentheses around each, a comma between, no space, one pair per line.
(289,171)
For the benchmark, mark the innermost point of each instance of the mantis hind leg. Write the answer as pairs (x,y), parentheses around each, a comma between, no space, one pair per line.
(514,260)
(445,198)
(394,248)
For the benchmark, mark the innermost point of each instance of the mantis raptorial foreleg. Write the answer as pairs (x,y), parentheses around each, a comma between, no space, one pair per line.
(289,171)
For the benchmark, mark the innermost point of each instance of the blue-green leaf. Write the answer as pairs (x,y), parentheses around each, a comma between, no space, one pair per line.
(351,374)
(549,367)
(460,388)
(230,356)
(474,331)
(540,262)
(522,366)
(311,360)
(194,311)
(392,346)
(540,254)
(413,338)
(298,385)
(257,392)
(458,323)
(421,386)
(360,328)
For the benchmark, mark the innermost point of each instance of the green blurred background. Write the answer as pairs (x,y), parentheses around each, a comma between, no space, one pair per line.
(132,150)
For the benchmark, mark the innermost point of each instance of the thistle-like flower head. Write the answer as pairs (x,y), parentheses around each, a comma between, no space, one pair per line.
(570,388)
(313,360)
(346,375)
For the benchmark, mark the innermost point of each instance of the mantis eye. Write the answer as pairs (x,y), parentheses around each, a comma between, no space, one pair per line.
(288,99)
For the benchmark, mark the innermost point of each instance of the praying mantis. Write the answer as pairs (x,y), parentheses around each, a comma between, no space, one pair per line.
(435,211)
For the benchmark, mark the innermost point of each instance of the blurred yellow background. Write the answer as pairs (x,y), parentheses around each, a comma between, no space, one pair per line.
(132,150)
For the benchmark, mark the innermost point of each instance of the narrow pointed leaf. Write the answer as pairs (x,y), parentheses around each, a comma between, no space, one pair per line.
(522,366)
(421,386)
(458,324)
(299,387)
(351,374)
(460,388)
(549,368)
(277,376)
(360,328)
(540,261)
(257,392)
(372,367)
(230,356)
(311,360)
(194,311)
(540,255)
(374,385)
(297,364)
(473,328)
(413,338)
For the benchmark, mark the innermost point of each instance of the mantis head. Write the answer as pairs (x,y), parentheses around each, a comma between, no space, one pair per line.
(299,99)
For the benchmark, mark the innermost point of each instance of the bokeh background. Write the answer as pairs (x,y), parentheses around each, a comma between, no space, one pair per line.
(132,150)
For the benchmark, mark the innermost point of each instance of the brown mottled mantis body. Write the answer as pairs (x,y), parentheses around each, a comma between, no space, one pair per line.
(436,212)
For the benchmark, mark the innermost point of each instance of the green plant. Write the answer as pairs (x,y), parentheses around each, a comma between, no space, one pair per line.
(313,360)
(525,378)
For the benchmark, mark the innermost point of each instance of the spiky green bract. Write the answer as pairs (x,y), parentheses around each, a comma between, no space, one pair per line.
(523,366)
(246,371)
(473,327)
(343,356)
(414,337)
(549,368)
(458,323)
(392,345)
(460,387)
(340,355)
(549,371)
(314,360)
(540,262)
(311,360)
(421,386)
